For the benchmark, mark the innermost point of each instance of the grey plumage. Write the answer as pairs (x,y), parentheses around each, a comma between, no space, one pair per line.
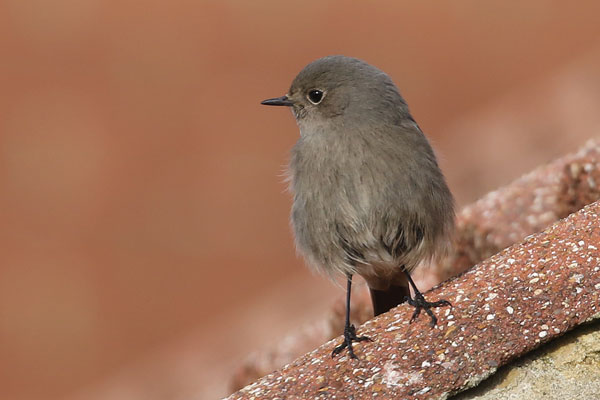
(369,197)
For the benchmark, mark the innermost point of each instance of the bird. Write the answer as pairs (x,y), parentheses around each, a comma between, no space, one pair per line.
(369,197)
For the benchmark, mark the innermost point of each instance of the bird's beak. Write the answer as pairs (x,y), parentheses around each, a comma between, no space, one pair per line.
(278,101)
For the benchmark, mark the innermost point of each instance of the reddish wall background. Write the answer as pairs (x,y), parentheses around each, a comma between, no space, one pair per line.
(141,198)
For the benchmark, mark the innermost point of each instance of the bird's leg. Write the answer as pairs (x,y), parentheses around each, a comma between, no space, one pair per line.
(349,330)
(419,303)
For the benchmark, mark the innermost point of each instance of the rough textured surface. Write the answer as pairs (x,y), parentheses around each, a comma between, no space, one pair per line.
(528,205)
(503,308)
(567,368)
(498,220)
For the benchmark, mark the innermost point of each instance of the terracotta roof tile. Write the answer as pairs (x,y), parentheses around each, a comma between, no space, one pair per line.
(503,308)
(509,296)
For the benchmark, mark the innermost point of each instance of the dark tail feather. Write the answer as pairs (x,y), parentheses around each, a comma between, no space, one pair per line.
(384,300)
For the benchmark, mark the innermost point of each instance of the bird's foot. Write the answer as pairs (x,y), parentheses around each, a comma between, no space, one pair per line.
(419,303)
(349,337)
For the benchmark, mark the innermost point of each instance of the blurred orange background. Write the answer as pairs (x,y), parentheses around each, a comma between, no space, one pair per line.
(144,217)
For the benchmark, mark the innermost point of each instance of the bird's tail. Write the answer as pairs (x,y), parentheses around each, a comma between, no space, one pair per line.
(384,300)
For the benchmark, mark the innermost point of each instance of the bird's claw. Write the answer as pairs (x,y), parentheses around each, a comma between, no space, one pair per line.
(349,337)
(419,303)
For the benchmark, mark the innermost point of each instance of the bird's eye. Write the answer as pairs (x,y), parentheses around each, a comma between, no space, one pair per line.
(315,96)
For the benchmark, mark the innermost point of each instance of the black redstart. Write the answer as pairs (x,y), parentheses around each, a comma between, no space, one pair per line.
(369,196)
